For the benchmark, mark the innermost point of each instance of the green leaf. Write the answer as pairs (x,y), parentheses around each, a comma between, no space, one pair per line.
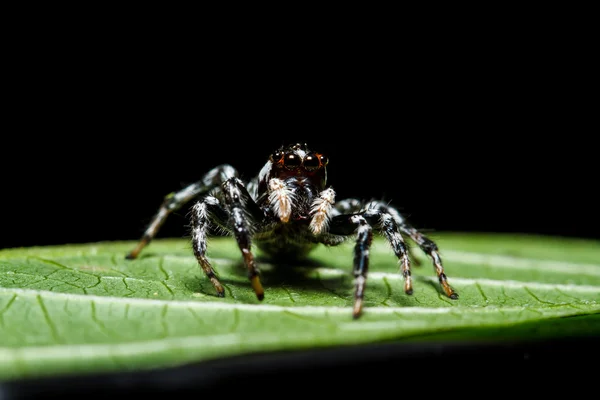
(84,308)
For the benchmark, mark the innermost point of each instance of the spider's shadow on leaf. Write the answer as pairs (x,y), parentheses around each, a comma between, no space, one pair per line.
(146,255)
(275,273)
(424,281)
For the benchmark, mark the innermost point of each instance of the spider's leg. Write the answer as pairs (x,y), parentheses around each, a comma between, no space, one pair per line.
(427,245)
(347,206)
(381,217)
(209,207)
(384,207)
(378,214)
(346,225)
(243,210)
(175,201)
(430,248)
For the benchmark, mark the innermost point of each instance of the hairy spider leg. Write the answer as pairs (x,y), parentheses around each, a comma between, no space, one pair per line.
(364,238)
(431,249)
(391,224)
(353,205)
(344,225)
(174,201)
(242,209)
(425,244)
(347,206)
(378,215)
(388,226)
(201,211)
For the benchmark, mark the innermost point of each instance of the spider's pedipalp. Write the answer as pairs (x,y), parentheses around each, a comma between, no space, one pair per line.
(281,199)
(321,211)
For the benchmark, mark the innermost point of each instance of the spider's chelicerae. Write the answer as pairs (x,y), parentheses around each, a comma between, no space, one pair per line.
(287,210)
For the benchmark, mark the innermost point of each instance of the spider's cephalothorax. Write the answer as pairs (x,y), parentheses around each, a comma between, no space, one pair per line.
(287,210)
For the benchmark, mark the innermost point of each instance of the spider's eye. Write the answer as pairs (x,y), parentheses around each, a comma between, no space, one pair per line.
(276,157)
(324,160)
(311,162)
(291,161)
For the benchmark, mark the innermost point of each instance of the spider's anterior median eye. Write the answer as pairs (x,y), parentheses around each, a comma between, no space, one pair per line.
(311,162)
(291,161)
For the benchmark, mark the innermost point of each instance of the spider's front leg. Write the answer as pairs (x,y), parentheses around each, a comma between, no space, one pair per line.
(209,208)
(175,201)
(344,225)
(243,211)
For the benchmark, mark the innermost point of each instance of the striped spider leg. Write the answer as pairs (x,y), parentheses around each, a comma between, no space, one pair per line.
(221,179)
(232,209)
(174,201)
(350,216)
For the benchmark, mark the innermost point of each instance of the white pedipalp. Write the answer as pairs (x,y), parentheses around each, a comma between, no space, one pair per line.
(321,211)
(281,199)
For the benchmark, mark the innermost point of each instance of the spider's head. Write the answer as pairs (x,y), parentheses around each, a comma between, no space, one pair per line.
(298,161)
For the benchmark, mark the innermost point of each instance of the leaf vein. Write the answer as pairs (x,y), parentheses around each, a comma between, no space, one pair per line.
(98,322)
(478,286)
(536,297)
(53,330)
(6,307)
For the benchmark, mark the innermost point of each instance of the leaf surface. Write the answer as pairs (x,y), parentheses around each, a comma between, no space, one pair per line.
(84,308)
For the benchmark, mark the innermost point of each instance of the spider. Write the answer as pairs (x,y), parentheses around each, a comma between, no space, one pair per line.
(287,210)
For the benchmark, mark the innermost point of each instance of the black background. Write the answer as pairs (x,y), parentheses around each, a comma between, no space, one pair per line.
(462,133)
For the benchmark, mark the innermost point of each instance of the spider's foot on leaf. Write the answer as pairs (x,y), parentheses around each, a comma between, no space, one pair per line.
(257,286)
(357,310)
(449,291)
(408,288)
(133,254)
(217,285)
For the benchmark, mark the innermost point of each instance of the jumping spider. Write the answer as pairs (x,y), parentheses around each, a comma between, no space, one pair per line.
(287,210)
